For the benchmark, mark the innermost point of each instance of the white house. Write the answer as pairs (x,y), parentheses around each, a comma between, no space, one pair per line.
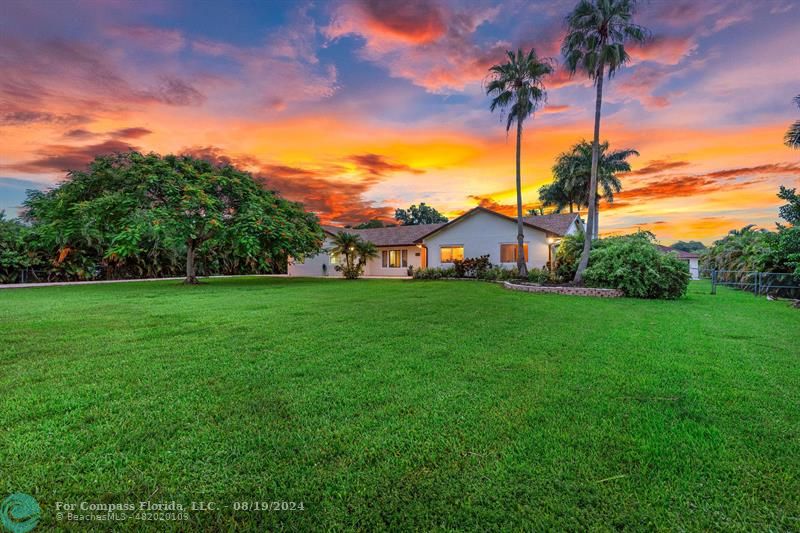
(690,258)
(477,232)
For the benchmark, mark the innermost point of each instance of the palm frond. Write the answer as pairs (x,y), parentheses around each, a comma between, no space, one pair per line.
(792,138)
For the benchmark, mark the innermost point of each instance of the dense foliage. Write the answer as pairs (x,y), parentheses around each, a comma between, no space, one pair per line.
(689,246)
(472,267)
(633,264)
(744,251)
(14,253)
(422,214)
(134,215)
(568,255)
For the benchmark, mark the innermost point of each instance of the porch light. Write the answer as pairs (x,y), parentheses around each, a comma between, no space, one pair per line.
(551,240)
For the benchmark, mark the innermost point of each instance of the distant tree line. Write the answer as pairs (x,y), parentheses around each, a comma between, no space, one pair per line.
(759,250)
(134,215)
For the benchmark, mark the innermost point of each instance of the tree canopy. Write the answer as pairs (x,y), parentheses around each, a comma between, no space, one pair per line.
(422,214)
(144,215)
(689,246)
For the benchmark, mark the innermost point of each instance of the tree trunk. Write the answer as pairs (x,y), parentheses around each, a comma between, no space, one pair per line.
(592,203)
(596,217)
(521,266)
(191,277)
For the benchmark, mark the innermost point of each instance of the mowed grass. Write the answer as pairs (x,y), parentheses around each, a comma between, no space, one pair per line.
(385,404)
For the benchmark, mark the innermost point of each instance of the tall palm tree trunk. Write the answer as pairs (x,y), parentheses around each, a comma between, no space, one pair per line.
(590,217)
(596,216)
(521,266)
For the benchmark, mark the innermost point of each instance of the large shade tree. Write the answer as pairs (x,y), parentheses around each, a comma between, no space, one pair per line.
(597,31)
(141,213)
(517,88)
(572,178)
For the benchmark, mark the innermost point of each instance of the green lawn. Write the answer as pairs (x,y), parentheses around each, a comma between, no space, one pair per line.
(387,404)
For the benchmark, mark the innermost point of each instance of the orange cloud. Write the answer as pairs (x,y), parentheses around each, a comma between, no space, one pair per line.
(664,49)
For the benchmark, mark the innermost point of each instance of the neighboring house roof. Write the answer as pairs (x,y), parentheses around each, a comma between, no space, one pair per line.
(394,236)
(681,253)
(558,223)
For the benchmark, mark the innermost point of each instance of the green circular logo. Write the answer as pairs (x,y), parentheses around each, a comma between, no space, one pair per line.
(19,513)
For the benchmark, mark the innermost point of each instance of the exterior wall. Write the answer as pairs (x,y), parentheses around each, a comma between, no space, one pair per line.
(694,268)
(312,266)
(375,266)
(481,234)
(573,228)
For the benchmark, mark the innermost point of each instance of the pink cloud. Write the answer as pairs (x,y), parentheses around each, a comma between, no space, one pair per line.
(157,39)
(429,43)
(664,49)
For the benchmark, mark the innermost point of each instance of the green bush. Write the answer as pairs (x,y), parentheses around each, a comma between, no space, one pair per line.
(471,267)
(633,264)
(497,273)
(538,275)
(434,273)
(568,255)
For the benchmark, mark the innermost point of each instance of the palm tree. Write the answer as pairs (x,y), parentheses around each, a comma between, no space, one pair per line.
(557,195)
(356,253)
(365,250)
(792,138)
(517,86)
(345,245)
(595,44)
(572,173)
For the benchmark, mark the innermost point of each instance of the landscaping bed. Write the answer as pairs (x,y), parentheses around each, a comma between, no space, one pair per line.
(571,290)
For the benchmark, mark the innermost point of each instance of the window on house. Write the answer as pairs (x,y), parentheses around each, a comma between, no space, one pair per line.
(448,254)
(334,259)
(508,252)
(394,258)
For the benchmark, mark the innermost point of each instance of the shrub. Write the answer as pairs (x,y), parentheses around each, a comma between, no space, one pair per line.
(497,273)
(634,265)
(539,275)
(471,267)
(434,273)
(568,255)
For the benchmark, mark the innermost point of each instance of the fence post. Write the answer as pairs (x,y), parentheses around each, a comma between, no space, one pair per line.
(714,281)
(757,288)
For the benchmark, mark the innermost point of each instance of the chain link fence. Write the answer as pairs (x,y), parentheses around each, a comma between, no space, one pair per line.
(776,284)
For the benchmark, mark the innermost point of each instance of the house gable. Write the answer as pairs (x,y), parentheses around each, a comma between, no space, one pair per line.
(482,232)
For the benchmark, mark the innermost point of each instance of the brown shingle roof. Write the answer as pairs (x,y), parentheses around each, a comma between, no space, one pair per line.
(557,223)
(394,236)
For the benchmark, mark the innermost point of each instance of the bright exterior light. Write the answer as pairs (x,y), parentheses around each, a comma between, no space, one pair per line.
(551,240)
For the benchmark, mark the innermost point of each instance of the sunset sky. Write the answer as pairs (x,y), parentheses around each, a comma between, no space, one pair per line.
(359,107)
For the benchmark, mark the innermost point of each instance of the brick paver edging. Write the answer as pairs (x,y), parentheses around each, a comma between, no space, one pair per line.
(574,291)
